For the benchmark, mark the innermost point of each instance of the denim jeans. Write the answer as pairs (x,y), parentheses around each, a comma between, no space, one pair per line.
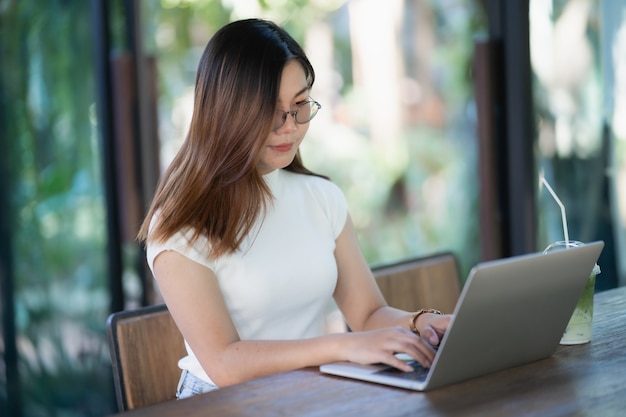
(190,385)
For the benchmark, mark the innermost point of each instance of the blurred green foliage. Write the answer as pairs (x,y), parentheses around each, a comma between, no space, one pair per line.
(61,292)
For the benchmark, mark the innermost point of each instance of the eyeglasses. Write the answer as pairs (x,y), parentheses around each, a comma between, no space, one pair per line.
(303,114)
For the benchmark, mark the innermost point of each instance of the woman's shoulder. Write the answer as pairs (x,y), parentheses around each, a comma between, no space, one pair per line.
(184,241)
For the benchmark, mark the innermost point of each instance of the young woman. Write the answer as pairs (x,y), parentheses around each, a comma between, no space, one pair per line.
(248,246)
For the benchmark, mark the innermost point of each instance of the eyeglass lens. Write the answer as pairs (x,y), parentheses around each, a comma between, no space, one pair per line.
(303,114)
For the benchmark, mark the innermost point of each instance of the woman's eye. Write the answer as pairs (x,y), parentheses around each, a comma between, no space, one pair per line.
(302,100)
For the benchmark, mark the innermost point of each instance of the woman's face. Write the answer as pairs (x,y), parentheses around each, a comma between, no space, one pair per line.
(282,144)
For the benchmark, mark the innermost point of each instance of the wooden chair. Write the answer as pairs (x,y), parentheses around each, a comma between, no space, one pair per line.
(145,347)
(427,282)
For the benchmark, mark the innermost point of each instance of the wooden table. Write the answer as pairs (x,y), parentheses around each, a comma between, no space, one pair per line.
(582,380)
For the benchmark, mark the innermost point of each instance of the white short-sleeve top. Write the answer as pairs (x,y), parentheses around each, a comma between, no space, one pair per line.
(277,286)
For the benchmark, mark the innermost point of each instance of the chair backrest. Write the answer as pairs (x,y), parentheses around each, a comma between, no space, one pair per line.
(145,347)
(426,282)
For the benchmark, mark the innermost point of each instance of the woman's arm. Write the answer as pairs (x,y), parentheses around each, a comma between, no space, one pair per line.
(361,301)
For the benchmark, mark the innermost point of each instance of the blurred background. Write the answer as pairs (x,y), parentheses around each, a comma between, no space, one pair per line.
(438,120)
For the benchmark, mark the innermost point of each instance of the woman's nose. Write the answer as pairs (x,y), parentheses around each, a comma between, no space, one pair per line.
(289,125)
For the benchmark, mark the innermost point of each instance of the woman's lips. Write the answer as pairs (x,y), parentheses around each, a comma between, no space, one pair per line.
(285,147)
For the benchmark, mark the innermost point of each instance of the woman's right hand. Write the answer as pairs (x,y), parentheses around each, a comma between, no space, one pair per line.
(381,346)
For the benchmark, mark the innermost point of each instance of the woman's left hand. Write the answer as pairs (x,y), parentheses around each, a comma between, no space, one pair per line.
(431,327)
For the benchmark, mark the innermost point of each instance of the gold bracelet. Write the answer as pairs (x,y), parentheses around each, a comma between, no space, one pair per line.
(418,313)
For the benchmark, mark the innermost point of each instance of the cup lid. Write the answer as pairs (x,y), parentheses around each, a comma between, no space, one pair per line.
(561,244)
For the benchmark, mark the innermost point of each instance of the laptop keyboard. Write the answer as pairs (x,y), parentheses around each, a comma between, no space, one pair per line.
(419,373)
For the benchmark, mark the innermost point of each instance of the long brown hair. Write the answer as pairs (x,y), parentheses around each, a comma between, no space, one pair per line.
(213,186)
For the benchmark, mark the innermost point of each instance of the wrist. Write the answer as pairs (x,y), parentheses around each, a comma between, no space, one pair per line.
(413,319)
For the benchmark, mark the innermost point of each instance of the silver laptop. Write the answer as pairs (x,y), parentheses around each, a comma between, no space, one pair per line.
(511,311)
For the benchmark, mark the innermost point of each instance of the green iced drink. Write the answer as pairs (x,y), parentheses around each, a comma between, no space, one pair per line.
(579,327)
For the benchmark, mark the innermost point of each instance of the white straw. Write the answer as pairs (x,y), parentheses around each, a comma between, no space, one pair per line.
(563,216)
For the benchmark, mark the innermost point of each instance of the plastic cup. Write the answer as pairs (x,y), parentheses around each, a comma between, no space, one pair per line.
(578,328)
